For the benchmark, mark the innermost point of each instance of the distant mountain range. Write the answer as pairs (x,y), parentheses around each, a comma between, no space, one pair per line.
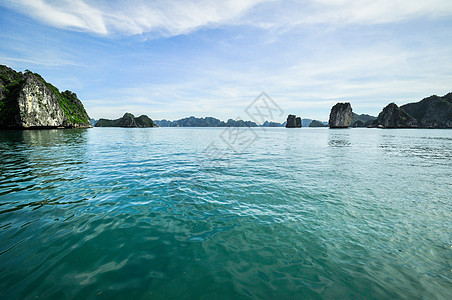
(213,122)
(204,122)
(209,122)
(431,112)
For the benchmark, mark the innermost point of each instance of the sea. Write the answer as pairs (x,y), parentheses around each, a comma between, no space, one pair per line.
(226,213)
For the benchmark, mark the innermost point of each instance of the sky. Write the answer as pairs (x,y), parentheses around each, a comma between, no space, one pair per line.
(174,59)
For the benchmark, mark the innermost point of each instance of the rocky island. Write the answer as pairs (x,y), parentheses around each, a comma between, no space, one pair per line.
(293,121)
(316,123)
(430,112)
(128,120)
(341,115)
(27,101)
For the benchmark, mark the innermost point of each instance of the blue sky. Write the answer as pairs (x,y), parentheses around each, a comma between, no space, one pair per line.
(173,59)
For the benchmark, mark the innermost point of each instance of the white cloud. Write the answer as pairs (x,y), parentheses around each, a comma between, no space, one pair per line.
(370,78)
(283,16)
(169,18)
(304,70)
(71,14)
(134,17)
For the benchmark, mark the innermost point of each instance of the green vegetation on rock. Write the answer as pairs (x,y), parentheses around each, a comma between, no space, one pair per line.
(128,120)
(27,100)
(10,84)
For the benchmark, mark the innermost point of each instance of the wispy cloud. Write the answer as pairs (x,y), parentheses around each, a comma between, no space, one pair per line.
(176,17)
(286,15)
(70,14)
(169,18)
(369,78)
(381,11)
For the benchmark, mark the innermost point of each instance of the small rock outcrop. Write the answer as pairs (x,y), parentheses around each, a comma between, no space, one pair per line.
(298,122)
(316,123)
(393,116)
(341,115)
(293,121)
(128,120)
(28,101)
(290,123)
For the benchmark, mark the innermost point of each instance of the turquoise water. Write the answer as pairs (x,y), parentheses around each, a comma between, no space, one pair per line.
(198,213)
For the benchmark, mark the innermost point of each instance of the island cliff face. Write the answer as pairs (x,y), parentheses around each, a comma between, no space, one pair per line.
(293,121)
(341,115)
(128,120)
(28,101)
(393,116)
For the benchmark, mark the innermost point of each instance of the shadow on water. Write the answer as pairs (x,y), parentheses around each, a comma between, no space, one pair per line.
(51,138)
(41,138)
(36,161)
(41,174)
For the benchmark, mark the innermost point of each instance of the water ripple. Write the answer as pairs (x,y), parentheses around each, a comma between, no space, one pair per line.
(143,213)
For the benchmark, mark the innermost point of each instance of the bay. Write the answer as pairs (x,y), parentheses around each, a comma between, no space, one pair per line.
(226,213)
